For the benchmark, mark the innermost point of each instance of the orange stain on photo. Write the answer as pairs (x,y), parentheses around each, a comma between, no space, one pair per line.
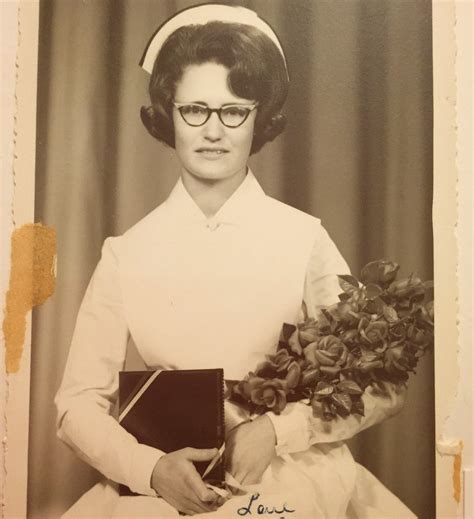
(457,465)
(32,281)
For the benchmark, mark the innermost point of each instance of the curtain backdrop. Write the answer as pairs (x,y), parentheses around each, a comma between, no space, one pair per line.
(357,152)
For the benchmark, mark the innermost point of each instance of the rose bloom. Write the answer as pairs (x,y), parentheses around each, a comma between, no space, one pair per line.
(380,272)
(263,392)
(350,337)
(308,332)
(419,336)
(293,376)
(410,288)
(373,332)
(269,393)
(328,351)
(274,364)
(294,343)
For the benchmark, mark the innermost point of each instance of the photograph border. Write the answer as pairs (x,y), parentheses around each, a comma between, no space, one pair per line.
(20,211)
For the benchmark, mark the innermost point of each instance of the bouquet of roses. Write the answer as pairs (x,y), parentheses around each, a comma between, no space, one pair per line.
(376,333)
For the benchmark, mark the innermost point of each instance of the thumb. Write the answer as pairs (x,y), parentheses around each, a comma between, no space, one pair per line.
(200,454)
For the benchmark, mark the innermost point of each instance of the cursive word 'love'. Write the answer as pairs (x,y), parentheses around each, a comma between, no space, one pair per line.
(261,509)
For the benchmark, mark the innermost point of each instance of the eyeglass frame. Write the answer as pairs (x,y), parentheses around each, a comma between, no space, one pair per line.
(218,111)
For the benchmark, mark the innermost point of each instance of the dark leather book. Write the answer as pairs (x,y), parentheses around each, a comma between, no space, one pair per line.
(171,410)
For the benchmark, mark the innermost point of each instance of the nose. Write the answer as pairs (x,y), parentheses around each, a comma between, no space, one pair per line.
(213,129)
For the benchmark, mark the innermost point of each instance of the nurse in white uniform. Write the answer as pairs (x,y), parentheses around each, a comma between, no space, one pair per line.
(206,281)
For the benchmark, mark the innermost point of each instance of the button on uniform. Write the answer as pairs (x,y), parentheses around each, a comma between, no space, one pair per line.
(212,225)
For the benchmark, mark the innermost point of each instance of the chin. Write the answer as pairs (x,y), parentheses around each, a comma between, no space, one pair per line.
(213,173)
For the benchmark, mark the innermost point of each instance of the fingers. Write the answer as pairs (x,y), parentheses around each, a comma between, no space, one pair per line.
(198,508)
(200,490)
(176,479)
(194,479)
(190,507)
(201,507)
(187,502)
(204,498)
(199,454)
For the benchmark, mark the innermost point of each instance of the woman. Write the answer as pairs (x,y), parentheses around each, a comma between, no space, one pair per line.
(202,282)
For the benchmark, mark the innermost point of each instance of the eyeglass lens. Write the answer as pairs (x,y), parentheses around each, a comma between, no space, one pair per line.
(231,116)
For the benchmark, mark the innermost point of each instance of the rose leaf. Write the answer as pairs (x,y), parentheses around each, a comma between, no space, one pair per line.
(343,402)
(350,387)
(348,283)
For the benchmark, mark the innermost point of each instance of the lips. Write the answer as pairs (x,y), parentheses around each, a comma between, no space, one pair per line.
(212,153)
(212,150)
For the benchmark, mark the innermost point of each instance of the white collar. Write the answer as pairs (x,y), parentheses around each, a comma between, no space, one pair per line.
(240,206)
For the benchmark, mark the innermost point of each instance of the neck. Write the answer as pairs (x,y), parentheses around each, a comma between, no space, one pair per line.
(209,194)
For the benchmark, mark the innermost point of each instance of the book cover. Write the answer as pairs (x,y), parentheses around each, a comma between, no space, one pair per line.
(171,410)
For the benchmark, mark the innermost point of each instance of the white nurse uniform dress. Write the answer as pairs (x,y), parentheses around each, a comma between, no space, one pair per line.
(194,293)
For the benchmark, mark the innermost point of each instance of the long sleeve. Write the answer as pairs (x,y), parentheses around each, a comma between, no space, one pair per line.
(296,428)
(90,385)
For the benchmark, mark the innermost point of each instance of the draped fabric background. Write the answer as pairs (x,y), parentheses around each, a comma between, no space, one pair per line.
(357,152)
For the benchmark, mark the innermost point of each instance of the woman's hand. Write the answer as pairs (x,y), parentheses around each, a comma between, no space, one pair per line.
(250,448)
(176,480)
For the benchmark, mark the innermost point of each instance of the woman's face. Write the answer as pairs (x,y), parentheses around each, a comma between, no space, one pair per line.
(211,151)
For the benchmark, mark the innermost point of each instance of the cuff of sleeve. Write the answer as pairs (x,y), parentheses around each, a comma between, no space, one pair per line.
(234,415)
(144,460)
(291,429)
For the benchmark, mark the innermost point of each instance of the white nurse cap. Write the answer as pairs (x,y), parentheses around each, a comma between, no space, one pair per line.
(201,15)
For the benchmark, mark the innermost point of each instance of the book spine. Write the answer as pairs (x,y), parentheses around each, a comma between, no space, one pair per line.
(221,421)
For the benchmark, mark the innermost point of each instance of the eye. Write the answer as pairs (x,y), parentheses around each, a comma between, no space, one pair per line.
(193,110)
(235,111)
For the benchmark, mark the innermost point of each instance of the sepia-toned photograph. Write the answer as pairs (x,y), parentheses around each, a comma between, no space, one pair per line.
(242,322)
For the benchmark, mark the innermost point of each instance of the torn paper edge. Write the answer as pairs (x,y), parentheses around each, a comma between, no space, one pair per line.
(453,357)
(17,209)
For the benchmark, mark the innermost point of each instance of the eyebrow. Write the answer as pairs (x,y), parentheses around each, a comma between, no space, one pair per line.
(222,106)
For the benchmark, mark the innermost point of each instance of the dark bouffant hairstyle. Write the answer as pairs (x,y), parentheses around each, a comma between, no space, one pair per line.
(256,71)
